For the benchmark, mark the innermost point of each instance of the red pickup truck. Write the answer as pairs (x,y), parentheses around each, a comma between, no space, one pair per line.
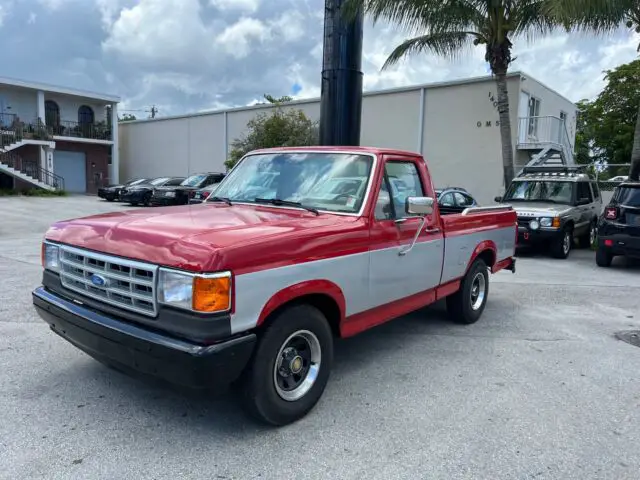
(298,247)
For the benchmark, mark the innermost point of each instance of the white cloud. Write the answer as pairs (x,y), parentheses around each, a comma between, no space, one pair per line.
(243,5)
(236,39)
(3,14)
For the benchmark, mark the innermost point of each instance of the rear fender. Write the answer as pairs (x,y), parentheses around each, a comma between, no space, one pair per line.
(488,250)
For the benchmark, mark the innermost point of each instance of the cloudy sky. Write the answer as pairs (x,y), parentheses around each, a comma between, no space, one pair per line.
(192,55)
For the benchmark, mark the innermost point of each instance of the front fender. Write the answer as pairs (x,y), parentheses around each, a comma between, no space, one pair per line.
(299,290)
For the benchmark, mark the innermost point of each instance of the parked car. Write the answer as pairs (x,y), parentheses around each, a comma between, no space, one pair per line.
(555,205)
(141,193)
(256,290)
(454,200)
(179,195)
(112,192)
(619,225)
(201,195)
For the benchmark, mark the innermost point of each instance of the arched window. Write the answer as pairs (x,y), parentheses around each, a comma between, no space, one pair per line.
(85,115)
(51,113)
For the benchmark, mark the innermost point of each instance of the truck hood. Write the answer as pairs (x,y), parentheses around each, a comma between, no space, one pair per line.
(539,208)
(190,237)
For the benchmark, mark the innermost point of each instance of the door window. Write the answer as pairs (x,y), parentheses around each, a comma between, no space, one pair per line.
(534,113)
(463,200)
(447,200)
(584,191)
(596,190)
(384,210)
(404,181)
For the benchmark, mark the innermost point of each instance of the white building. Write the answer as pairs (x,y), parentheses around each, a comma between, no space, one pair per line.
(453,124)
(56,137)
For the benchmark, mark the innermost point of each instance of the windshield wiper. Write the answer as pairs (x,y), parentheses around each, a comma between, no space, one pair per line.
(220,199)
(286,203)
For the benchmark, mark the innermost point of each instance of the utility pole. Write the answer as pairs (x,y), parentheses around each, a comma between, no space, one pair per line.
(341,97)
(154,110)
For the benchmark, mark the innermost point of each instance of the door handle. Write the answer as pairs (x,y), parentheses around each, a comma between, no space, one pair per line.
(431,230)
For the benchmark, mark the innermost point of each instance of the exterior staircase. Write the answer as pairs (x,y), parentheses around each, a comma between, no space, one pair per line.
(547,141)
(17,135)
(30,172)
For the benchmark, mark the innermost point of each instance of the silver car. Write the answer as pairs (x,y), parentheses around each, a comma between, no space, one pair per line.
(555,206)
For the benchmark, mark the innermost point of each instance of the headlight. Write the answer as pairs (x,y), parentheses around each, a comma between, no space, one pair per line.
(550,222)
(170,194)
(207,293)
(50,257)
(534,225)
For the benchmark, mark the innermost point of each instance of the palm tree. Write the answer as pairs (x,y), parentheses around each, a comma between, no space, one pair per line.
(446,27)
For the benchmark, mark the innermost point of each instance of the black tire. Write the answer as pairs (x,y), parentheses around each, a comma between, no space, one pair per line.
(134,204)
(603,258)
(109,199)
(146,199)
(460,305)
(561,247)
(261,382)
(588,239)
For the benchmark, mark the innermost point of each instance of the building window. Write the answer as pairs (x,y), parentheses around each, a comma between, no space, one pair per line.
(534,113)
(85,115)
(51,113)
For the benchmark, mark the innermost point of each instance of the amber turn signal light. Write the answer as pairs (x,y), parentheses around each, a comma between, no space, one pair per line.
(211,294)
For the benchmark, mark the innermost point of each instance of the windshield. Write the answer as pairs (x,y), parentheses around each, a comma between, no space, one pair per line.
(628,196)
(158,181)
(193,181)
(325,181)
(540,191)
(137,182)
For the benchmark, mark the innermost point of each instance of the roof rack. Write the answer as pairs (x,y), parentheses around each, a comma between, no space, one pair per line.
(554,169)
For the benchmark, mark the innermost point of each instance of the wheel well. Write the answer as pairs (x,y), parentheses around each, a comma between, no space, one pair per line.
(488,256)
(327,305)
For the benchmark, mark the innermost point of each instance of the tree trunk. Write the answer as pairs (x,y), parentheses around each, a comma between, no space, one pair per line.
(634,171)
(505,128)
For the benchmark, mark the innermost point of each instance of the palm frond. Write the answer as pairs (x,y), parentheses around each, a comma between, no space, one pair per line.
(416,15)
(446,44)
(593,16)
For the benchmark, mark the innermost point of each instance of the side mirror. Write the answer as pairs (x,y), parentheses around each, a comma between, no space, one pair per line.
(498,199)
(419,205)
(583,201)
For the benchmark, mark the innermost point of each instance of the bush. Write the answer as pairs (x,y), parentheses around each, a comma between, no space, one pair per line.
(279,128)
(33,192)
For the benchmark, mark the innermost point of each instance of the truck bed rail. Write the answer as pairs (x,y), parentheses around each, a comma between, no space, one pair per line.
(491,208)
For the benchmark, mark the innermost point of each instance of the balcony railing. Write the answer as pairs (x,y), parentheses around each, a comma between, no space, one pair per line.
(94,131)
(535,132)
(19,130)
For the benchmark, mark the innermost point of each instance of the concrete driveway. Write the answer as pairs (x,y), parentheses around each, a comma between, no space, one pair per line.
(539,388)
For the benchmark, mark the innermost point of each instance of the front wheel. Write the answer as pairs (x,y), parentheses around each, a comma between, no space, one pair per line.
(290,368)
(562,245)
(467,304)
(588,240)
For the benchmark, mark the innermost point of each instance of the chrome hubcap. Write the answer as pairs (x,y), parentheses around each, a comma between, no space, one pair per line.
(297,365)
(478,291)
(566,244)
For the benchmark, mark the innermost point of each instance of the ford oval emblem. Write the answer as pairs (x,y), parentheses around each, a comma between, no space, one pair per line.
(98,280)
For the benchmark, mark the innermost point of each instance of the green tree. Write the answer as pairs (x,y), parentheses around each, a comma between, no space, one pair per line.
(279,128)
(606,16)
(447,27)
(126,117)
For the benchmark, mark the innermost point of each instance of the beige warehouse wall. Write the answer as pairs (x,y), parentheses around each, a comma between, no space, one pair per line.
(458,151)
(391,120)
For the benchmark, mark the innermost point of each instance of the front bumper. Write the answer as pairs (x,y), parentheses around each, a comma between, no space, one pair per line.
(621,244)
(166,201)
(142,350)
(527,236)
(108,194)
(132,197)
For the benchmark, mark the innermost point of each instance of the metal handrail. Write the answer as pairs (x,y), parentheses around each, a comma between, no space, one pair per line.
(545,129)
(32,169)
(67,128)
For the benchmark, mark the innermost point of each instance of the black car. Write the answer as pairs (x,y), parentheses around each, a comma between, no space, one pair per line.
(179,195)
(201,195)
(141,192)
(619,225)
(454,200)
(112,192)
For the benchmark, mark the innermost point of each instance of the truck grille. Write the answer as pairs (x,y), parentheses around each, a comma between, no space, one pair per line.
(123,283)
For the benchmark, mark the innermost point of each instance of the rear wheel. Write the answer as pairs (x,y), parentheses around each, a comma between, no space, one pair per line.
(290,368)
(147,199)
(561,246)
(603,257)
(467,304)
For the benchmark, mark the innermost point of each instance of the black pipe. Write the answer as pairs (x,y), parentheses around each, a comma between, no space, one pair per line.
(341,98)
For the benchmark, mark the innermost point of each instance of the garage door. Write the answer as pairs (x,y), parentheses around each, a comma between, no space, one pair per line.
(71,166)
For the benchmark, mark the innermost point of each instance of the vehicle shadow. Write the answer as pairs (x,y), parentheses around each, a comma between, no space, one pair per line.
(220,413)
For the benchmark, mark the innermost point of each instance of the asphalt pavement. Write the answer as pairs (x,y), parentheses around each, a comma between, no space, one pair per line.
(539,388)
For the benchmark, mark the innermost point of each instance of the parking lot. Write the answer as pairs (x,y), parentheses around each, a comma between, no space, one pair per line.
(539,388)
